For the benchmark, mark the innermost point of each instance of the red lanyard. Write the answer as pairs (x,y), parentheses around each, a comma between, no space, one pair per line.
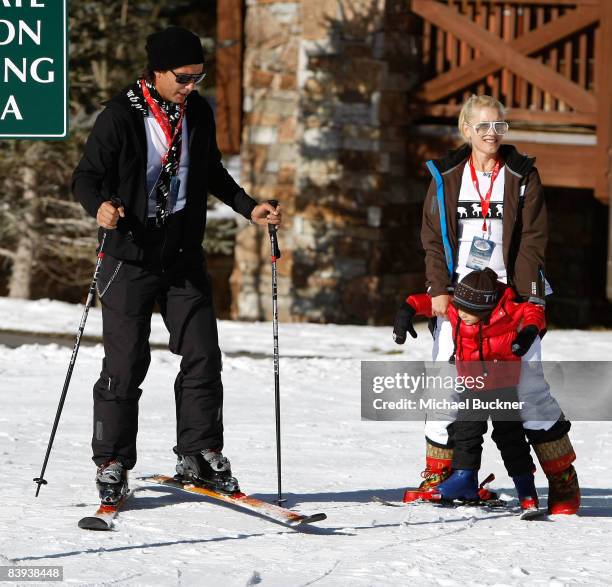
(162,119)
(486,201)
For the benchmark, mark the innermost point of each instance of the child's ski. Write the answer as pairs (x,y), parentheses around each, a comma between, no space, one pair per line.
(487,503)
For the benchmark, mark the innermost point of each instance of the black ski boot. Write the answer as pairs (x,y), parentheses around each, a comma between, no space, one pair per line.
(112,482)
(209,468)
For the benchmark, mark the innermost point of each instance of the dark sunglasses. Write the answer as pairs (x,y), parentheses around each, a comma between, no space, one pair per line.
(188,78)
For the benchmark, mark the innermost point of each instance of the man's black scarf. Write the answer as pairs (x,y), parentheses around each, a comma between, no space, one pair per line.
(170,169)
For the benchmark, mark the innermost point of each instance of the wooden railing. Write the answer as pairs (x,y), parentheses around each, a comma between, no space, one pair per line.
(548,61)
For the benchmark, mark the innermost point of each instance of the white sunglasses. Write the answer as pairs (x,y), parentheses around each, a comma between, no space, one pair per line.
(500,127)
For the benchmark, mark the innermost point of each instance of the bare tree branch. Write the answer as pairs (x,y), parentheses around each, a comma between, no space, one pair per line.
(6,253)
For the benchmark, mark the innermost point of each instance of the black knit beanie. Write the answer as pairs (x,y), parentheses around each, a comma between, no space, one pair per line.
(477,293)
(173,47)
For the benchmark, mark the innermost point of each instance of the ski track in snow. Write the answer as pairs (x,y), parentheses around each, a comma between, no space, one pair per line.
(332,462)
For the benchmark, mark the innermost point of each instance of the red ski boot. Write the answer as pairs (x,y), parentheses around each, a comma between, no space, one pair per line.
(556,458)
(437,469)
(564,492)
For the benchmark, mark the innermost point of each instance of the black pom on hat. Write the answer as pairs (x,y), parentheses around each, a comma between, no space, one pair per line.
(173,47)
(477,292)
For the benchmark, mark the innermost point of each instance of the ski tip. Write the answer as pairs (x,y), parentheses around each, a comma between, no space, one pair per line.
(532,514)
(382,501)
(93,523)
(311,519)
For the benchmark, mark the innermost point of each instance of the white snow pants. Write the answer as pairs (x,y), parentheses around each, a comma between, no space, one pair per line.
(532,388)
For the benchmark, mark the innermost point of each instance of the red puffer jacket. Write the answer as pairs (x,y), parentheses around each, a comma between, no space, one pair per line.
(491,341)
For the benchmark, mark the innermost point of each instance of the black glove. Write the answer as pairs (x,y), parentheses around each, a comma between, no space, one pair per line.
(524,339)
(403,323)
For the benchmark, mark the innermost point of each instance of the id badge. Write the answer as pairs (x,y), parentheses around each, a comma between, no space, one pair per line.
(175,185)
(480,253)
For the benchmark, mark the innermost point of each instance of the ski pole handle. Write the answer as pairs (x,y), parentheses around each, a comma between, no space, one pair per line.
(273,237)
(271,227)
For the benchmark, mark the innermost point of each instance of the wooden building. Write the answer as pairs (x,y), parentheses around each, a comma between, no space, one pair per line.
(334,105)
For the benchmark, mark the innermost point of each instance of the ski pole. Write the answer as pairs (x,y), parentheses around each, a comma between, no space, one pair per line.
(75,350)
(275,254)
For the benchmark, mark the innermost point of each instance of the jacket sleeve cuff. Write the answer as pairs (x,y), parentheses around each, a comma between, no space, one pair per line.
(536,300)
(438,290)
(89,201)
(421,303)
(244,204)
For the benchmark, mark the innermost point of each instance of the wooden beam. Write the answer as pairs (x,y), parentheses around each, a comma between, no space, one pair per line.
(559,165)
(603,90)
(570,166)
(551,32)
(545,2)
(229,75)
(487,43)
(604,99)
(520,114)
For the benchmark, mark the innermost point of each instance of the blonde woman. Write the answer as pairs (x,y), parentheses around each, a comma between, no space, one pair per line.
(485,208)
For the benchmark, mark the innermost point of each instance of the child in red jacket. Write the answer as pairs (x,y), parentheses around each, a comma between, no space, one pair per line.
(488,326)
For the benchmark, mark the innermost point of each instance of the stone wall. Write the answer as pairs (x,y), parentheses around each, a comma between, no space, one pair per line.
(270,153)
(326,115)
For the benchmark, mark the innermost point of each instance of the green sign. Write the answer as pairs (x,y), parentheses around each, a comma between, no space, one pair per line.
(33,69)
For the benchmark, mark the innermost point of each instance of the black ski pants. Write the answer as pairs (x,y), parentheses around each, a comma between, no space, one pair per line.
(508,434)
(509,438)
(183,292)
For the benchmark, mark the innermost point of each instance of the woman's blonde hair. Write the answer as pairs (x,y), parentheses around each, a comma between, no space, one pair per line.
(475,102)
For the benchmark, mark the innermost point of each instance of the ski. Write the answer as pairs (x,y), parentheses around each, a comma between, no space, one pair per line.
(104,517)
(241,500)
(483,503)
(487,504)
(494,504)
(491,504)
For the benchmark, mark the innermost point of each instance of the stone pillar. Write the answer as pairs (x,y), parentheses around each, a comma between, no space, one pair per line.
(269,150)
(357,214)
(326,86)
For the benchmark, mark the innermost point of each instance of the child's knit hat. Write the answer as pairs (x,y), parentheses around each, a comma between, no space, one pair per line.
(477,293)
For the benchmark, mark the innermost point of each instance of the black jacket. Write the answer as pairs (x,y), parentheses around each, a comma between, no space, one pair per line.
(114,164)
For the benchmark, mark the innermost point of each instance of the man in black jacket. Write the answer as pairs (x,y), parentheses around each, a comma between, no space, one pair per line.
(153,152)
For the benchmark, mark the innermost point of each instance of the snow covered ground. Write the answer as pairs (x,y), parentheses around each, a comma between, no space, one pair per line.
(333,462)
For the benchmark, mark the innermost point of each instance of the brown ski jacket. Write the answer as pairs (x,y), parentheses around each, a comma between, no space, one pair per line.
(525,231)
